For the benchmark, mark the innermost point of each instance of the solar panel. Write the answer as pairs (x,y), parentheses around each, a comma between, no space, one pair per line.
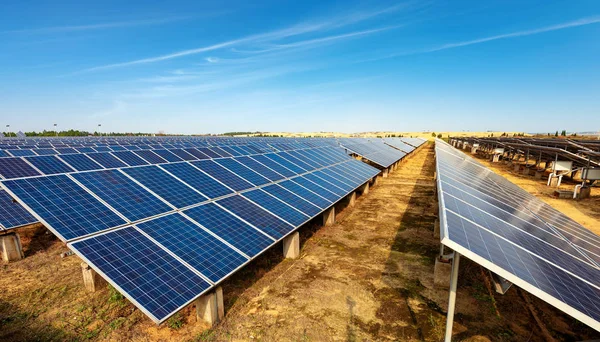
(256,216)
(242,171)
(65,150)
(313,163)
(45,151)
(223,175)
(151,278)
(12,214)
(106,159)
(123,194)
(325,184)
(334,179)
(485,218)
(200,181)
(80,162)
(192,244)
(168,156)
(318,189)
(15,168)
(150,156)
(85,150)
(208,152)
(49,165)
(231,229)
(22,153)
(102,149)
(277,207)
(197,154)
(183,154)
(67,208)
(285,163)
(231,151)
(293,200)
(280,169)
(166,186)
(305,167)
(220,151)
(130,158)
(259,168)
(306,194)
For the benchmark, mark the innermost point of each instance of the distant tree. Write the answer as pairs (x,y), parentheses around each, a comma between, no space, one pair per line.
(439,135)
(491,135)
(563,133)
(556,134)
(433,134)
(548,134)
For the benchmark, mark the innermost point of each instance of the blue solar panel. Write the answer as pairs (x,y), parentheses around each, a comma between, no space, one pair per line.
(65,150)
(85,149)
(273,165)
(256,216)
(80,162)
(45,151)
(150,156)
(300,154)
(12,214)
(22,153)
(49,165)
(130,158)
(231,229)
(231,151)
(15,168)
(306,194)
(168,156)
(285,163)
(102,149)
(321,191)
(293,200)
(166,186)
(123,194)
(259,168)
(117,148)
(325,184)
(183,154)
(223,175)
(198,180)
(277,207)
(219,151)
(157,282)
(208,152)
(107,160)
(67,208)
(242,171)
(196,153)
(208,255)
(336,179)
(345,176)
(316,156)
(298,162)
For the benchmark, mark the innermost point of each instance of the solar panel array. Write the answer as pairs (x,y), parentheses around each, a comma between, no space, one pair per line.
(164,232)
(517,236)
(374,150)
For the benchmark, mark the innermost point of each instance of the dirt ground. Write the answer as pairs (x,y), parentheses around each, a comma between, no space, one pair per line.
(369,277)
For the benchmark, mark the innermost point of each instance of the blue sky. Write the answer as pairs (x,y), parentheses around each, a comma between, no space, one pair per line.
(348,66)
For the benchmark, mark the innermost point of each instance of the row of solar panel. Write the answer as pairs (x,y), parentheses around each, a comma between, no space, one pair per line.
(373,150)
(14,167)
(517,236)
(140,192)
(167,259)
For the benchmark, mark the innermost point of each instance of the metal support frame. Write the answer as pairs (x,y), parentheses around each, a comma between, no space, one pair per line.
(452,297)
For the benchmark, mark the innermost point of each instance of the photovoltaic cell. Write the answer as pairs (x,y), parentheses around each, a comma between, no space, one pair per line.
(256,216)
(80,162)
(321,191)
(242,171)
(192,244)
(168,156)
(223,175)
(306,194)
(197,154)
(293,200)
(220,151)
(22,153)
(12,214)
(183,154)
(231,229)
(123,194)
(296,161)
(208,152)
(286,163)
(49,165)
(148,275)
(107,160)
(165,186)
(130,158)
(325,184)
(197,179)
(66,207)
(150,156)
(280,169)
(16,168)
(277,207)
(259,168)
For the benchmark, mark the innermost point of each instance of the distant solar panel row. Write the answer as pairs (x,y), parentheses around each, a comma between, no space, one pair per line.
(517,236)
(374,150)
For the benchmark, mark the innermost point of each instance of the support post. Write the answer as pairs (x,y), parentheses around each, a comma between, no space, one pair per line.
(452,297)
(364,189)
(384,173)
(91,279)
(495,158)
(352,199)
(291,246)
(210,308)
(11,247)
(329,216)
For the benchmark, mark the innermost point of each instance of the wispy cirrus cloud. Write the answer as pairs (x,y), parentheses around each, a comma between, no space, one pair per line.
(562,26)
(98,26)
(275,36)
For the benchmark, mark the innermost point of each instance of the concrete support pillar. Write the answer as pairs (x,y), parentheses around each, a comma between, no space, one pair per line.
(210,308)
(352,199)
(441,273)
(538,174)
(473,150)
(291,246)
(364,189)
(329,216)
(11,247)
(495,158)
(517,167)
(584,193)
(554,181)
(526,171)
(375,180)
(384,173)
(91,280)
